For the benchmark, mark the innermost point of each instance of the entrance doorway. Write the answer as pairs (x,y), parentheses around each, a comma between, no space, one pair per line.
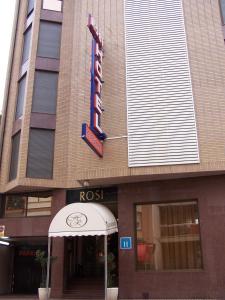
(84,264)
(22,272)
(27,273)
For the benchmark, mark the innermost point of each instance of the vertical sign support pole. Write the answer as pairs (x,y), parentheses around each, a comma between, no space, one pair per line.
(106,265)
(48,268)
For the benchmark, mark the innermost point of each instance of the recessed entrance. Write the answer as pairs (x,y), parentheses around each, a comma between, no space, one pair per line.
(84,264)
(76,222)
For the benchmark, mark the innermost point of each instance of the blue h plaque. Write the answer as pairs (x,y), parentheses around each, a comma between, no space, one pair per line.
(126,242)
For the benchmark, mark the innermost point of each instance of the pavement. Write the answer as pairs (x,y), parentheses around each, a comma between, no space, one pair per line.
(25,297)
(36,298)
(33,298)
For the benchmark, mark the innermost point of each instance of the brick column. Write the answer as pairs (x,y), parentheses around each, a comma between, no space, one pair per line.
(57,270)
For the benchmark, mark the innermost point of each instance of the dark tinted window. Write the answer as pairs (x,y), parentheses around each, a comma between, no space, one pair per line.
(14,156)
(30,6)
(26,45)
(49,40)
(20,97)
(45,92)
(222,4)
(40,154)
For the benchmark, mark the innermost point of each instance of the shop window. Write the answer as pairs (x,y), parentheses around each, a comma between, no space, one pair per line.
(40,153)
(20,97)
(55,5)
(222,6)
(168,236)
(45,92)
(14,156)
(26,45)
(49,40)
(28,206)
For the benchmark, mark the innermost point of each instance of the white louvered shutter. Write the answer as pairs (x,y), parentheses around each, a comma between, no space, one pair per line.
(161,116)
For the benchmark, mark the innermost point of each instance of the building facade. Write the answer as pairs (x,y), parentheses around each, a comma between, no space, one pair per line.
(153,148)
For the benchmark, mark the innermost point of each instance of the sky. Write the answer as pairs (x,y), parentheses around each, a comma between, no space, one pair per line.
(7,8)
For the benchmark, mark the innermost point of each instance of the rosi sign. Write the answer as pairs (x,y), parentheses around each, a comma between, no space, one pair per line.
(93,135)
(101,195)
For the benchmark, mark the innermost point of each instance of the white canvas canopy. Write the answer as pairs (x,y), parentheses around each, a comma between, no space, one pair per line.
(79,219)
(82,219)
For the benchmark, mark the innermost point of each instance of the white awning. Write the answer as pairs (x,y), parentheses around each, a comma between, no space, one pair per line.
(80,219)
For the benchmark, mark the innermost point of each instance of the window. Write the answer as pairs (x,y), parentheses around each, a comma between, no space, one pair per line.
(49,40)
(45,92)
(15,206)
(30,6)
(20,97)
(39,206)
(55,5)
(168,236)
(222,6)
(26,45)
(14,156)
(21,206)
(40,153)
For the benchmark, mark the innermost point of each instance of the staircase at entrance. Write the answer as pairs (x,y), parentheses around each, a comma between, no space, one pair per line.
(84,288)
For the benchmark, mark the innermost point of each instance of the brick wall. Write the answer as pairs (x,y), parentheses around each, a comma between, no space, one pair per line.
(74,161)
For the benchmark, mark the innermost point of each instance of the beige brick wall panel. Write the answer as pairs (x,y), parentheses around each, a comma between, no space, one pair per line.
(113,96)
(25,130)
(61,162)
(207,59)
(12,96)
(73,159)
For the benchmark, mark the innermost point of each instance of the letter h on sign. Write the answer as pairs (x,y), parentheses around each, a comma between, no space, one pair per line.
(126,243)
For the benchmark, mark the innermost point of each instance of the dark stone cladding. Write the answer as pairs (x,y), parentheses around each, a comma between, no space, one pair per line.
(47,64)
(42,120)
(52,16)
(207,283)
(26,227)
(57,273)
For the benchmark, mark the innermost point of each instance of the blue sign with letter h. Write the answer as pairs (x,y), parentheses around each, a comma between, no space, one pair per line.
(126,242)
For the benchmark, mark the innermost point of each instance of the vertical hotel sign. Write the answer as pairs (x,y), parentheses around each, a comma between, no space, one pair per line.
(93,134)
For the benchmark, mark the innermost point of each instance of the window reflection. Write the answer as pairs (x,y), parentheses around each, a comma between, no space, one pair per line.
(168,236)
(15,206)
(21,206)
(37,206)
